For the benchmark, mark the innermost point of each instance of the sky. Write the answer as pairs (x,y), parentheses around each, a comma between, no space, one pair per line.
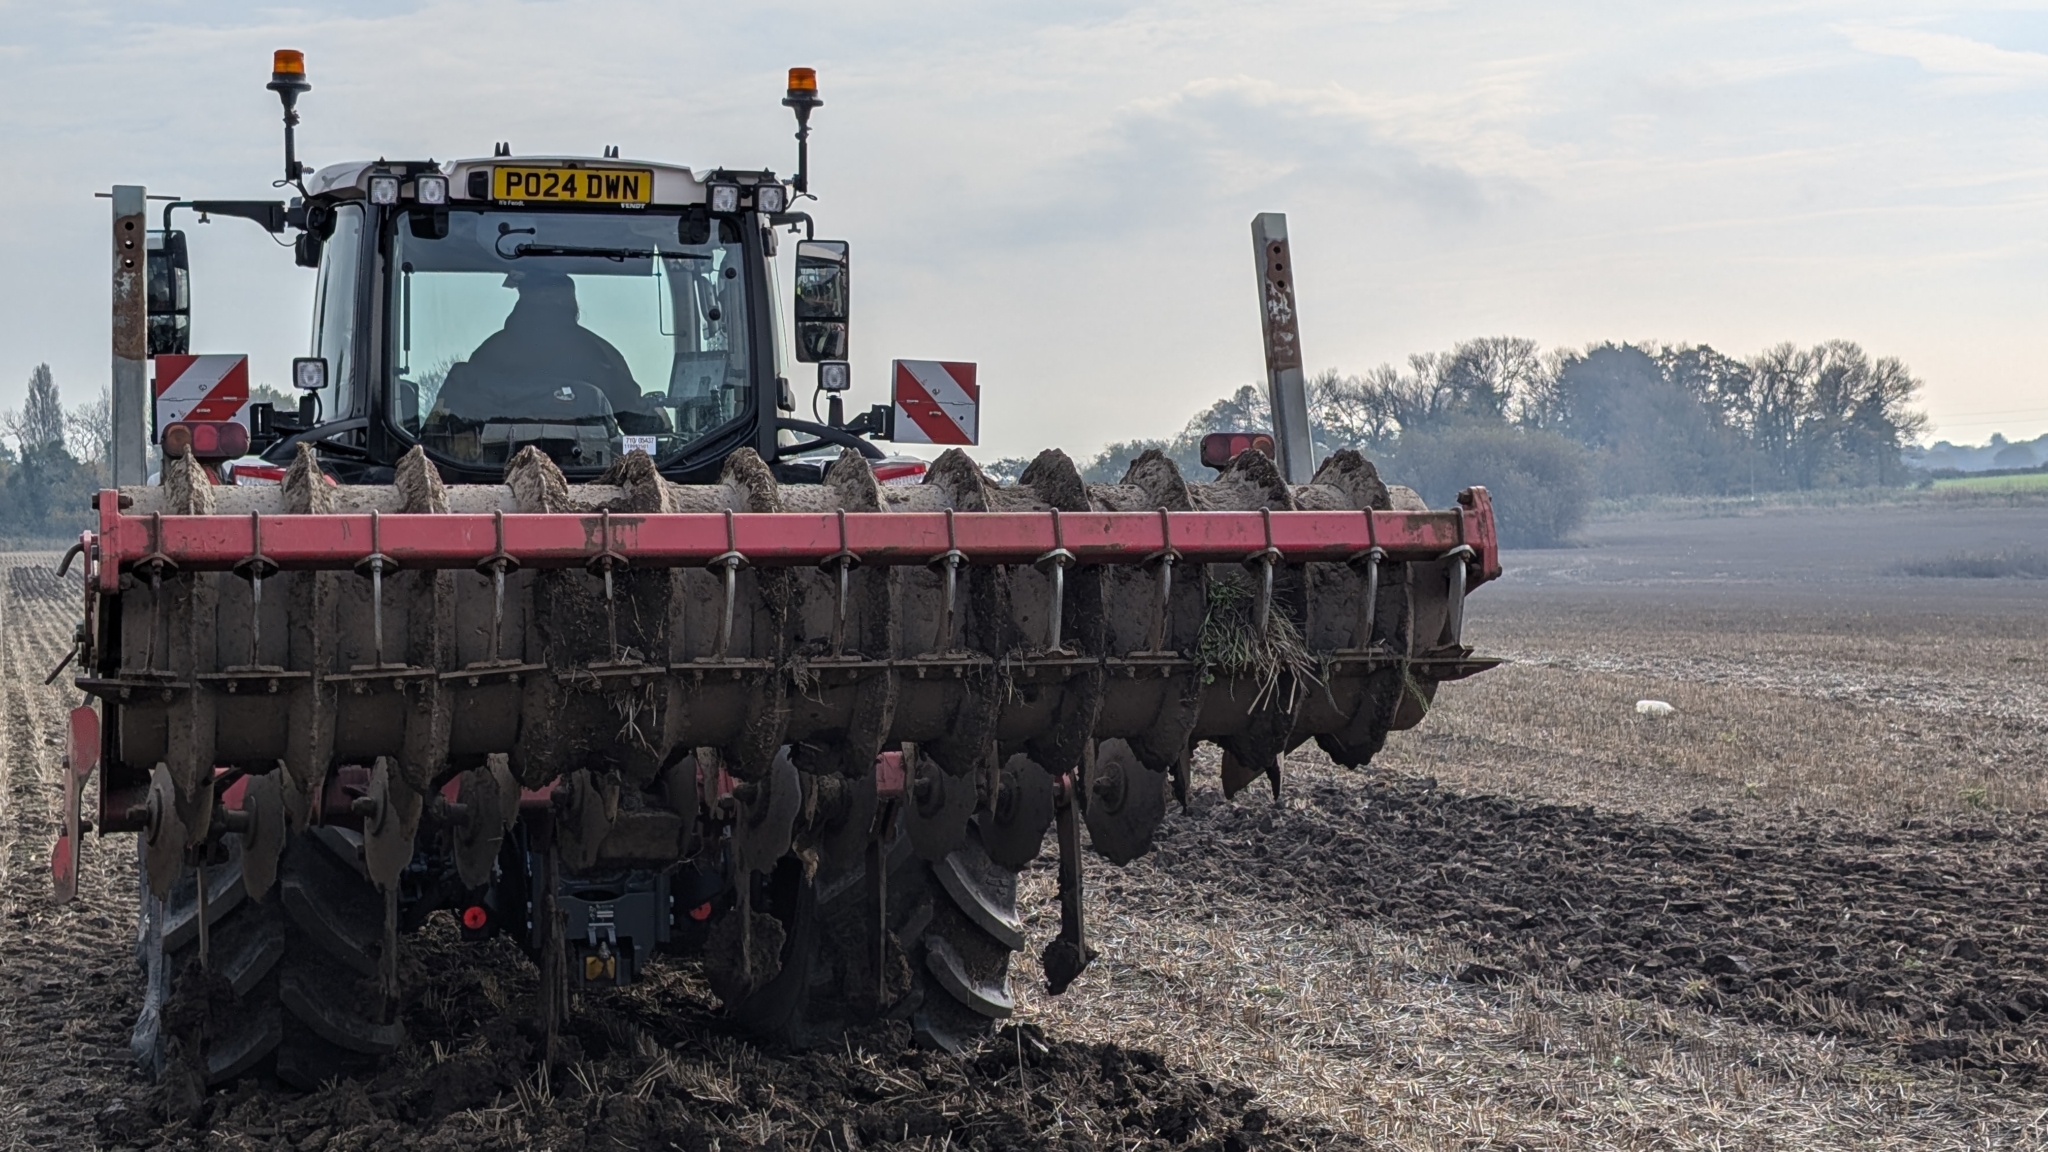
(1062,191)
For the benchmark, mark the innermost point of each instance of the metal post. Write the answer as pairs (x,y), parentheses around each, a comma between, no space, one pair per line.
(127,450)
(1285,390)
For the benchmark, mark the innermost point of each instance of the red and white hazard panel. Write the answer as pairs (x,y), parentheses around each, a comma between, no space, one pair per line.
(937,402)
(201,388)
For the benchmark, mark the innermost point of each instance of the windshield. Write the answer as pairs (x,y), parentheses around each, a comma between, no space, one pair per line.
(589,335)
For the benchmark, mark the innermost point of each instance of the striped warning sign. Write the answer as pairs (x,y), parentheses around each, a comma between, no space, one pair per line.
(212,387)
(937,402)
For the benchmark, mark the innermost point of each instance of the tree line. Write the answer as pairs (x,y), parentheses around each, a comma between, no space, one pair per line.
(1547,432)
(52,459)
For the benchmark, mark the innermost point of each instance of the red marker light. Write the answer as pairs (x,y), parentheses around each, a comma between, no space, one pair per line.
(1220,448)
(475,917)
(205,439)
(701,911)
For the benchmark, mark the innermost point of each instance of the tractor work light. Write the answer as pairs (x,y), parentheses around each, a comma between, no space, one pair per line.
(383,189)
(771,198)
(431,190)
(309,373)
(835,375)
(206,439)
(723,198)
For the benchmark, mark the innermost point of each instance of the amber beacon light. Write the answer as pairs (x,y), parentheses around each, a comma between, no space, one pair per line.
(801,99)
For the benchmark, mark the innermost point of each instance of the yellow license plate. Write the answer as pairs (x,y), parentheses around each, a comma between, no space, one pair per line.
(574,185)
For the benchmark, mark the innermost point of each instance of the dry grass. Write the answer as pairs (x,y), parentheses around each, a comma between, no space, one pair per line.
(1871,716)
(1367,1031)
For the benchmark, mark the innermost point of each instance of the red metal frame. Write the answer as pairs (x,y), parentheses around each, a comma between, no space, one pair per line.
(785,539)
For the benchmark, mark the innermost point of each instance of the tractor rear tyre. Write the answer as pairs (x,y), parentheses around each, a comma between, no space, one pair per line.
(952,929)
(289,986)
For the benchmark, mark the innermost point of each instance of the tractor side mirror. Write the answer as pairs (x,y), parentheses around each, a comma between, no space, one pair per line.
(822,271)
(170,294)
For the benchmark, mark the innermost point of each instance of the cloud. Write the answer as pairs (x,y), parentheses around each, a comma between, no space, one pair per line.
(1965,64)
(1229,144)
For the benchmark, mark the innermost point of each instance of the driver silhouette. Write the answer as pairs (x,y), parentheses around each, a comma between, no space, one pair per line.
(542,347)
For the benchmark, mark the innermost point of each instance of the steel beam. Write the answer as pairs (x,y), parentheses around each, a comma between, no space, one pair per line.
(127,447)
(1286,391)
(334,542)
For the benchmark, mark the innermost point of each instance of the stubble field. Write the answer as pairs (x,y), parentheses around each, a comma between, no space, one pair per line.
(1801,910)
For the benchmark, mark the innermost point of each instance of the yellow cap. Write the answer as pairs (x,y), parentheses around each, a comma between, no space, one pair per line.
(803,79)
(288,62)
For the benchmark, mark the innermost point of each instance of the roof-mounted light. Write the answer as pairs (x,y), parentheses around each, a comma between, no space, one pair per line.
(288,80)
(430,190)
(384,189)
(771,198)
(724,198)
(288,69)
(802,99)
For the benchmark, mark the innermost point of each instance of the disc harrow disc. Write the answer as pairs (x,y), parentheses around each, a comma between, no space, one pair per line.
(387,842)
(1014,830)
(841,845)
(163,843)
(489,793)
(762,831)
(1126,802)
(263,842)
(936,809)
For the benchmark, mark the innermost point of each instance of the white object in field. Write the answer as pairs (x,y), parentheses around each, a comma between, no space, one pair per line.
(1653,708)
(937,402)
(211,387)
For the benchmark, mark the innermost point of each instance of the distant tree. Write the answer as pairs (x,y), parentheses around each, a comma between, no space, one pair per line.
(1005,470)
(42,417)
(1539,480)
(88,429)
(1648,432)
(47,491)
(1110,464)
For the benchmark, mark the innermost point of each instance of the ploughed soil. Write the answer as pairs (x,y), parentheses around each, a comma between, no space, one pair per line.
(1924,940)
(654,1068)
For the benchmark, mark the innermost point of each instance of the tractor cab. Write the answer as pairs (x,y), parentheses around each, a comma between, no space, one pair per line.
(589,307)
(586,307)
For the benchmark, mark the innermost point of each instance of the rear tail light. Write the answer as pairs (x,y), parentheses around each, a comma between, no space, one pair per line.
(257,472)
(901,471)
(1220,448)
(205,439)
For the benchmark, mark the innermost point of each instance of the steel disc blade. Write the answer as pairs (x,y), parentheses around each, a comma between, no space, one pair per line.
(843,842)
(477,838)
(1014,831)
(163,846)
(1126,802)
(387,832)
(761,833)
(263,843)
(499,765)
(936,808)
